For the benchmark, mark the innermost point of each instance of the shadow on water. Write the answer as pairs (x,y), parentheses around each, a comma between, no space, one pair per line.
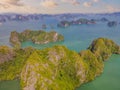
(10,85)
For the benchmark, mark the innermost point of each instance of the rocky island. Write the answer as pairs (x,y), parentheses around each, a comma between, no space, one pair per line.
(37,37)
(56,68)
(80,21)
(104,19)
(64,24)
(112,23)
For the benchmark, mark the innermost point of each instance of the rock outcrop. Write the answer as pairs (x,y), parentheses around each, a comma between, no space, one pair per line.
(112,23)
(37,37)
(66,23)
(6,54)
(103,48)
(94,66)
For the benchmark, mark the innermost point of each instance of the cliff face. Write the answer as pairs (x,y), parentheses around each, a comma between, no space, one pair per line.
(94,66)
(6,54)
(53,68)
(14,61)
(14,39)
(57,68)
(37,37)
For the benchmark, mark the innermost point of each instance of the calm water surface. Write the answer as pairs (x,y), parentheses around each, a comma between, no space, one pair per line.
(109,80)
(10,85)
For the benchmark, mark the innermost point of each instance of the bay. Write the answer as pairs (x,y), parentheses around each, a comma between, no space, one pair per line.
(77,38)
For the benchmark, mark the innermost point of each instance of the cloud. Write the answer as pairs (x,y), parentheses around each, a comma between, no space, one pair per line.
(111,8)
(59,6)
(96,0)
(48,3)
(11,2)
(87,4)
(3,6)
(73,2)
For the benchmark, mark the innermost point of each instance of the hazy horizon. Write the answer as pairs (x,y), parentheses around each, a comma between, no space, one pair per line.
(57,13)
(59,6)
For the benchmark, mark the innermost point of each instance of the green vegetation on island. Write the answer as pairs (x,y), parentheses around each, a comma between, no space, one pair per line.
(37,37)
(6,54)
(94,66)
(103,48)
(56,68)
(12,66)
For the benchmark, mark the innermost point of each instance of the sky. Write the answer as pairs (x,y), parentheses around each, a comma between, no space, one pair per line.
(59,6)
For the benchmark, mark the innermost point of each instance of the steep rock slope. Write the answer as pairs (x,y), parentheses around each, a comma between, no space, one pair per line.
(52,69)
(6,54)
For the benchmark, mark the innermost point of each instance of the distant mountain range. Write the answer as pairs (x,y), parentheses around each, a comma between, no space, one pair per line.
(26,17)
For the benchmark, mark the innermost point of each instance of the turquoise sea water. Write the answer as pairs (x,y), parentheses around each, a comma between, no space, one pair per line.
(109,80)
(77,38)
